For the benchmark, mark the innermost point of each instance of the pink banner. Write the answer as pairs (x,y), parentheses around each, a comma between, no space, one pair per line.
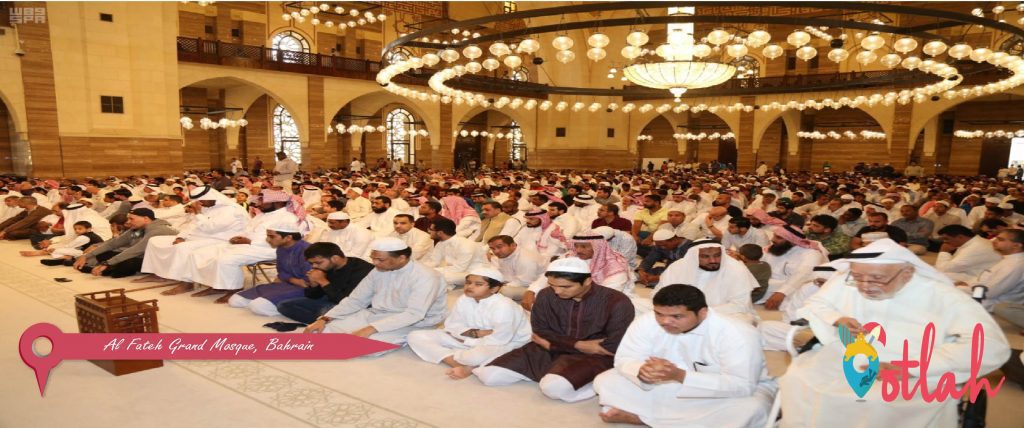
(188,346)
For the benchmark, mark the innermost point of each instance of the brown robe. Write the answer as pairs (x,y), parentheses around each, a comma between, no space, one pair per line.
(491,227)
(602,313)
(22,225)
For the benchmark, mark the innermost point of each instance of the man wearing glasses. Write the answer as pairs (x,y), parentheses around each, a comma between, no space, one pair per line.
(887,284)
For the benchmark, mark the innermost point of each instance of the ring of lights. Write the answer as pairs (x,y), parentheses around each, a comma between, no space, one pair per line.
(950,77)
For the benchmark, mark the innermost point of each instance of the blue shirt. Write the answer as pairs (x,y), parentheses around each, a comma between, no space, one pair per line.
(291,262)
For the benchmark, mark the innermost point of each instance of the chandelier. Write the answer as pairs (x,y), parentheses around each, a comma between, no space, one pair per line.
(677,71)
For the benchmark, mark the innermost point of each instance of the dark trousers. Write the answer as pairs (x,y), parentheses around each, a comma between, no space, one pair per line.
(304,309)
(120,270)
(38,237)
(13,235)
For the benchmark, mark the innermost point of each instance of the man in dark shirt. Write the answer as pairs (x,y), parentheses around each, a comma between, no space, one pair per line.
(608,215)
(332,278)
(784,211)
(428,212)
(879,222)
(667,248)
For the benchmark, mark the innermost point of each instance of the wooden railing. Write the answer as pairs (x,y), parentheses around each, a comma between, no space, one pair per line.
(238,55)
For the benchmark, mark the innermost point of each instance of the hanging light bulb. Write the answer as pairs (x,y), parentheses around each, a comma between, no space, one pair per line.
(838,55)
(806,53)
(904,45)
(513,61)
(565,57)
(472,52)
(473,67)
(866,57)
(499,49)
(890,61)
(631,52)
(719,36)
(598,40)
(431,59)
(490,64)
(562,43)
(872,42)
(934,48)
(772,51)
(980,54)
(758,38)
(596,54)
(911,62)
(737,50)
(637,38)
(701,51)
(798,38)
(529,46)
(449,55)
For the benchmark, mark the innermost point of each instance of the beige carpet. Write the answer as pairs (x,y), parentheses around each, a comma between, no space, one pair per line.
(396,390)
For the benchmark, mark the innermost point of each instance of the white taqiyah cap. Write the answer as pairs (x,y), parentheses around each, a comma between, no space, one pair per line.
(356,189)
(663,235)
(286,227)
(487,272)
(570,265)
(388,244)
(338,215)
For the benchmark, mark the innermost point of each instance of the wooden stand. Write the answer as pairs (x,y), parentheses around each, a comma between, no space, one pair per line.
(111,312)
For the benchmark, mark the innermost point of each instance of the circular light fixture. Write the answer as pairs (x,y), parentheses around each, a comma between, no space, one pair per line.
(904,45)
(499,49)
(772,51)
(472,52)
(866,57)
(719,36)
(598,40)
(565,56)
(798,38)
(838,55)
(806,53)
(562,43)
(934,48)
(637,38)
(529,46)
(872,42)
(596,54)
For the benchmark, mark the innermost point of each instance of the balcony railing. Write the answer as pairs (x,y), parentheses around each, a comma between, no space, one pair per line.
(259,57)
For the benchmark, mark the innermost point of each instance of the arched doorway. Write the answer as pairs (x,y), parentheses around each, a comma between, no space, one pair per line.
(656,144)
(710,149)
(8,140)
(844,153)
(489,138)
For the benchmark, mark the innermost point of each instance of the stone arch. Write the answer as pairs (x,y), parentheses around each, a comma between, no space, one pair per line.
(370,100)
(280,87)
(921,117)
(17,115)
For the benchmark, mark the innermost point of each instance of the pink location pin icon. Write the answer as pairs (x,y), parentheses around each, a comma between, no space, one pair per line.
(40,364)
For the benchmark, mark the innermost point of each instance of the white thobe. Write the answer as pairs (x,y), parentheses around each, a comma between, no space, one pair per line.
(453,258)
(541,241)
(753,236)
(401,205)
(774,333)
(816,391)
(521,268)
(468,226)
(284,171)
(380,224)
(175,215)
(791,270)
(358,208)
(971,259)
(210,230)
(570,226)
(7,212)
(700,228)
(220,267)
(353,241)
(393,302)
(726,292)
(510,325)
(511,227)
(418,240)
(1005,281)
(726,383)
(585,216)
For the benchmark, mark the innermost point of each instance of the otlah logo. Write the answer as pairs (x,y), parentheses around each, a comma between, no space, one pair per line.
(860,361)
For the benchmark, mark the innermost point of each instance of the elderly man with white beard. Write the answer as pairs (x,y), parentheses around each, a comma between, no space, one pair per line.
(884,283)
(792,257)
(354,241)
(725,281)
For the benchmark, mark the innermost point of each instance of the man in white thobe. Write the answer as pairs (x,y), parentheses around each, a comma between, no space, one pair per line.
(774,333)
(172,211)
(963,255)
(621,242)
(1005,280)
(218,218)
(519,266)
(381,220)
(354,241)
(399,296)
(684,364)
(725,281)
(221,267)
(584,209)
(739,233)
(885,283)
(284,172)
(452,255)
(357,206)
(792,257)
(403,228)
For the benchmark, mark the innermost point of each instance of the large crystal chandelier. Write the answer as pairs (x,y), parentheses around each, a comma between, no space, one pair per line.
(677,71)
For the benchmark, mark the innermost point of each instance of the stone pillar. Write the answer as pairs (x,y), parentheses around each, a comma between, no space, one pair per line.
(931,137)
(745,140)
(443,157)
(316,152)
(41,97)
(899,141)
